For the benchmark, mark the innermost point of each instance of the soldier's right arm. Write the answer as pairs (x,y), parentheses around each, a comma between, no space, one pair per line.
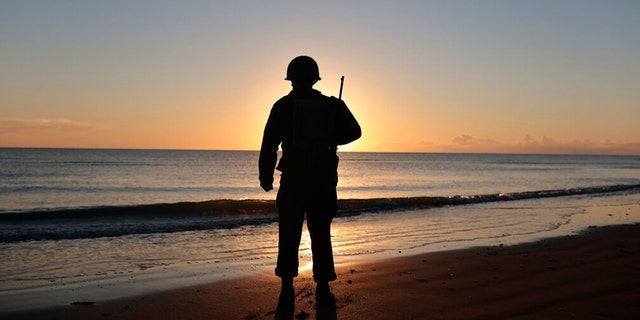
(347,127)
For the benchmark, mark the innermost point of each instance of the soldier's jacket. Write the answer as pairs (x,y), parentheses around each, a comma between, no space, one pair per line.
(309,126)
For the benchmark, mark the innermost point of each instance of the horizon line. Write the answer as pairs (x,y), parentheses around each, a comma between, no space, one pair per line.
(345,151)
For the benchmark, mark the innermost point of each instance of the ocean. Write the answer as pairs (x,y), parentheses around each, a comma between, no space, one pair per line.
(81,224)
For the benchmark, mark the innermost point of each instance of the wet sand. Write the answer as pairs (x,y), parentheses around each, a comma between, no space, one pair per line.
(591,276)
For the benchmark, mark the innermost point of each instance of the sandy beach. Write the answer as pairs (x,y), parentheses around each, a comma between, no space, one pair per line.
(595,275)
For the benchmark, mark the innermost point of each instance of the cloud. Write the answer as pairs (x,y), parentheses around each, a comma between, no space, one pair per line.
(463,140)
(15,125)
(540,145)
(551,145)
(467,140)
(544,141)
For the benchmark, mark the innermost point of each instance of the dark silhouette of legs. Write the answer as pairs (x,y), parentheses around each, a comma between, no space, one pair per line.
(289,234)
(287,297)
(324,297)
(319,225)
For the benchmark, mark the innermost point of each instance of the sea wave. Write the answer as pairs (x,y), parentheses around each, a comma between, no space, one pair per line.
(111,221)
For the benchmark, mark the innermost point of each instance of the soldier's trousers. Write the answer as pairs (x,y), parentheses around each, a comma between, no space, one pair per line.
(319,203)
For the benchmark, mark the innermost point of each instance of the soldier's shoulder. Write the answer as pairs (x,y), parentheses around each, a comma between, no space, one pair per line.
(335,101)
(283,102)
(331,99)
(284,99)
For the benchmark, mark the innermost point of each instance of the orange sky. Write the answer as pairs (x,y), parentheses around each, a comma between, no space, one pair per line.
(455,76)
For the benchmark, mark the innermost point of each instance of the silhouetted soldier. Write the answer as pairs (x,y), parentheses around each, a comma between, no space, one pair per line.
(310,126)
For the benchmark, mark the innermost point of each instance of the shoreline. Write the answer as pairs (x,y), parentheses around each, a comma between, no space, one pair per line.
(593,275)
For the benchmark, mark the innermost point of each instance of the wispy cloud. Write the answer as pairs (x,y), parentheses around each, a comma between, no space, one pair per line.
(468,140)
(581,146)
(16,125)
(544,144)
(465,143)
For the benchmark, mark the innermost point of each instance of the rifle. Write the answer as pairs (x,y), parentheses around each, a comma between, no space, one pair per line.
(341,84)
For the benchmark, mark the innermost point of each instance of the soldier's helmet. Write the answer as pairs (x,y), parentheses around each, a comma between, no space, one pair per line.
(303,68)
